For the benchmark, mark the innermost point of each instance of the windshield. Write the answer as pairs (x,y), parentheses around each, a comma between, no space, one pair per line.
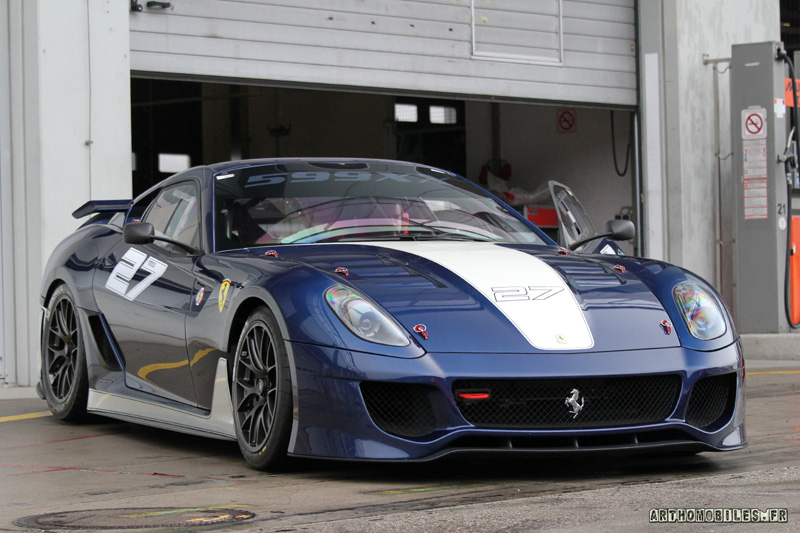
(312,202)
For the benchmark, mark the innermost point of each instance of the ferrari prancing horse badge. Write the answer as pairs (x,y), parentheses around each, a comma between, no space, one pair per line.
(223,293)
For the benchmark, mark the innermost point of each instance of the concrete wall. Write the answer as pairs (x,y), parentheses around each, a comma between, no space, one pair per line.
(677,35)
(707,28)
(69,141)
(6,190)
(21,207)
(84,94)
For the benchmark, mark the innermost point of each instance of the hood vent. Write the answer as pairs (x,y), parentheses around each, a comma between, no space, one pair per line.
(584,274)
(380,270)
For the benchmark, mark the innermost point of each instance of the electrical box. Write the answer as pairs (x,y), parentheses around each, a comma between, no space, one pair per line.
(759,119)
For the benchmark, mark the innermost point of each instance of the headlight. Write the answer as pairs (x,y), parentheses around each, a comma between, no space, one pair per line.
(700,310)
(363,318)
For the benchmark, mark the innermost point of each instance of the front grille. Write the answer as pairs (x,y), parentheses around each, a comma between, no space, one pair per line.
(543,403)
(711,402)
(402,409)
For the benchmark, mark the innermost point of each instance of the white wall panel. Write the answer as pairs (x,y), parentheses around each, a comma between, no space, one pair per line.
(7,348)
(413,45)
(64,139)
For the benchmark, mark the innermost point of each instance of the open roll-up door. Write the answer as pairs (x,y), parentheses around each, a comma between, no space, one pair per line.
(548,50)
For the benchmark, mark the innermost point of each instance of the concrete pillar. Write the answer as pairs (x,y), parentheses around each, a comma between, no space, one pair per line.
(21,207)
(680,167)
(68,104)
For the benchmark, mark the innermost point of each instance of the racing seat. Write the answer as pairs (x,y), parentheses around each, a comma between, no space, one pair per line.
(246,230)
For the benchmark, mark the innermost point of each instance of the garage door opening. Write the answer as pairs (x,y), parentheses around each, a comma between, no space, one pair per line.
(200,123)
(177,124)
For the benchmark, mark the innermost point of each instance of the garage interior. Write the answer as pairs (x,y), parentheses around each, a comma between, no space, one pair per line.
(177,124)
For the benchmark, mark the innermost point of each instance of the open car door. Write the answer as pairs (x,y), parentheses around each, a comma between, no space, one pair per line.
(560,214)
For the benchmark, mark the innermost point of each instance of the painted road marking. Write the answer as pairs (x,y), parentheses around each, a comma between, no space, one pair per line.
(747,372)
(54,441)
(28,416)
(45,469)
(428,489)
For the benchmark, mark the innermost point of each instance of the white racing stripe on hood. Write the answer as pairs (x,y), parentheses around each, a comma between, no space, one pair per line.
(531,294)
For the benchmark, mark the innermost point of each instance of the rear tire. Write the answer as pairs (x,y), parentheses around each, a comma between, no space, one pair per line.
(64,377)
(262,393)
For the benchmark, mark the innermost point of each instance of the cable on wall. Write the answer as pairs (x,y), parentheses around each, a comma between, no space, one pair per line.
(624,171)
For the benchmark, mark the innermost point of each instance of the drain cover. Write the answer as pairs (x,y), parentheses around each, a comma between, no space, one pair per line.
(141,518)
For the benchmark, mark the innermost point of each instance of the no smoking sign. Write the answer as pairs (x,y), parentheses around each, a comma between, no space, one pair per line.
(754,123)
(566,120)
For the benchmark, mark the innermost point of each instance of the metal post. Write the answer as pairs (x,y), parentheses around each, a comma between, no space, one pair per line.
(637,186)
(496,142)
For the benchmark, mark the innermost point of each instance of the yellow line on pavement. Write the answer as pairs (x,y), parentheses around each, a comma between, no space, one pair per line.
(24,417)
(747,372)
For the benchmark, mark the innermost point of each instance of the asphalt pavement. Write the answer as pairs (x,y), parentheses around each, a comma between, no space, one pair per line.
(114,475)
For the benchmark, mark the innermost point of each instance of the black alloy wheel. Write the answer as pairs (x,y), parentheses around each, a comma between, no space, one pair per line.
(262,401)
(64,376)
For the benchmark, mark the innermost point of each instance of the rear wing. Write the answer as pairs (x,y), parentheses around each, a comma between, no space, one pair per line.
(101,206)
(104,210)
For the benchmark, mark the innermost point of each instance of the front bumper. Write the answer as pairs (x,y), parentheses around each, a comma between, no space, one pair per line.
(337,415)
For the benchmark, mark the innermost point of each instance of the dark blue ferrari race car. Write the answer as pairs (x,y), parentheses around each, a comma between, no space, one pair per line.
(379,310)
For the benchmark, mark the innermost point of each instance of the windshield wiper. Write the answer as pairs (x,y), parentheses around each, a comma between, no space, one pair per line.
(431,235)
(356,238)
(446,236)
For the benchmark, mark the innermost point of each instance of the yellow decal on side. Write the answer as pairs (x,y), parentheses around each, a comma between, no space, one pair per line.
(145,370)
(223,293)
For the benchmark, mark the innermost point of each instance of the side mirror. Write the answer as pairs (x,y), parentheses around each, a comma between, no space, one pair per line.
(144,233)
(138,233)
(616,230)
(620,230)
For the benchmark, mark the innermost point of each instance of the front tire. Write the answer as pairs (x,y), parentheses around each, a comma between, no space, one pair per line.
(64,378)
(262,393)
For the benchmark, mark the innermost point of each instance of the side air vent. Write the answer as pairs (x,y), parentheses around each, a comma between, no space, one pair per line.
(402,409)
(105,342)
(711,402)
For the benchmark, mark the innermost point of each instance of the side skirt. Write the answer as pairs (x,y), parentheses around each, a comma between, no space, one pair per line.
(217,424)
